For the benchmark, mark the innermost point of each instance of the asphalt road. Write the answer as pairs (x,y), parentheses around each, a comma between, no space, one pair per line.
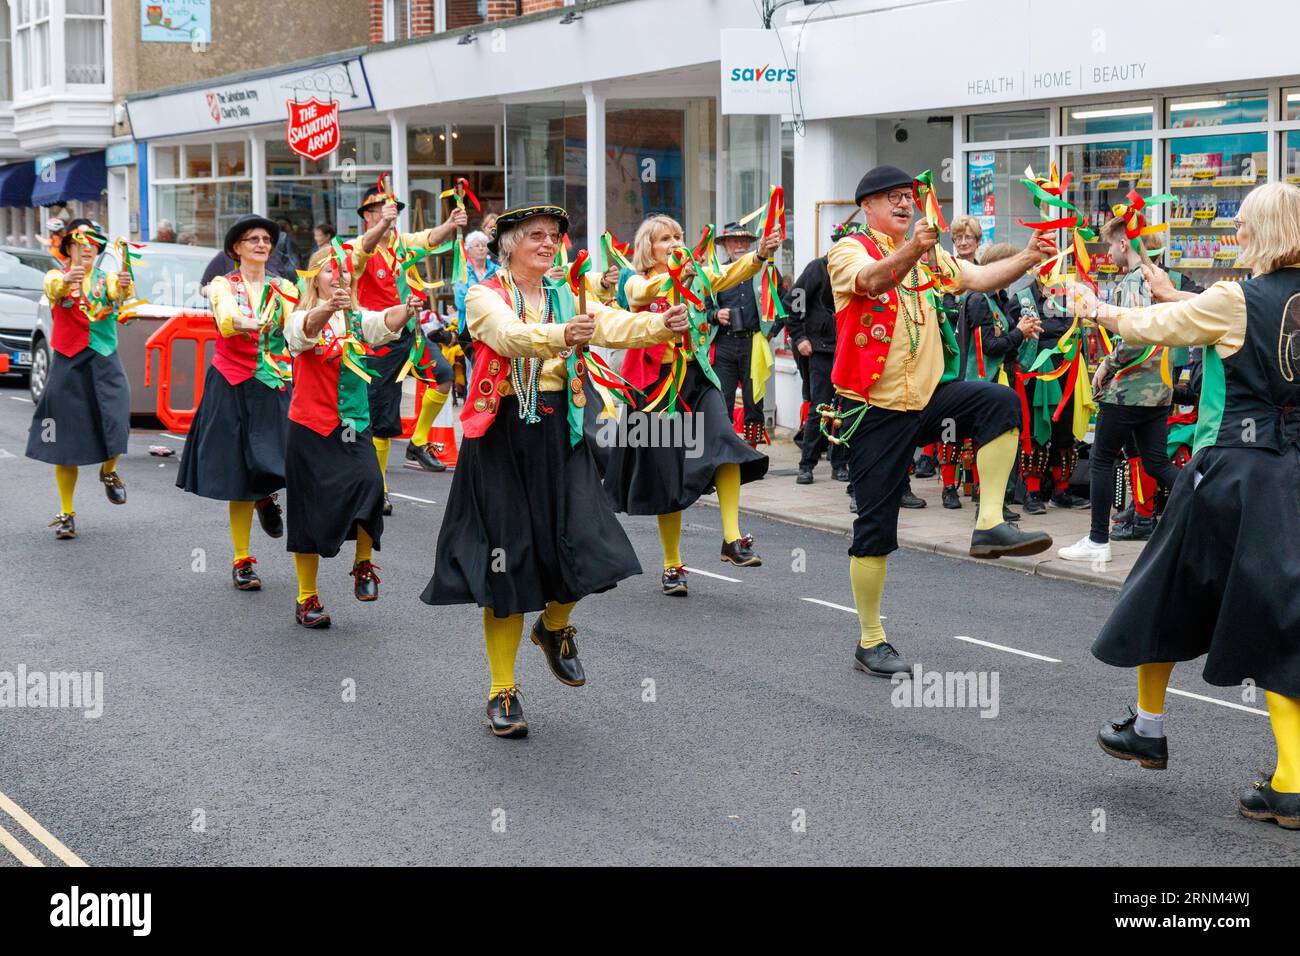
(225,738)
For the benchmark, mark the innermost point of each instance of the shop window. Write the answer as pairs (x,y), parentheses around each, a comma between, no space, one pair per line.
(280,159)
(1019,124)
(198,162)
(474,145)
(230,159)
(996,197)
(203,210)
(546,155)
(1291,104)
(426,145)
(83,35)
(297,205)
(1291,157)
(166,162)
(1104,174)
(1217,109)
(367,148)
(1209,177)
(1112,118)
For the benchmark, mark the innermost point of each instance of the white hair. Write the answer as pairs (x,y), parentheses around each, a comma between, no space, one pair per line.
(507,239)
(475,236)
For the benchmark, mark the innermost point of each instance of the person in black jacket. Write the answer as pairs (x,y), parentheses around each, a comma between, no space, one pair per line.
(811,327)
(736,313)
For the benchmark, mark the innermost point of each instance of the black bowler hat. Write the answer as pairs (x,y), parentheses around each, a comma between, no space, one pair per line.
(879,180)
(375,197)
(245,224)
(521,214)
(91,231)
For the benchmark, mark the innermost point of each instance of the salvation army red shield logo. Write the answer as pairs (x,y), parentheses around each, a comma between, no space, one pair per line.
(313,129)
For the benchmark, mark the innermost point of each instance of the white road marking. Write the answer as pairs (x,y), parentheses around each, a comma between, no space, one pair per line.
(23,855)
(838,607)
(1003,647)
(18,398)
(710,574)
(5,454)
(395,494)
(173,437)
(47,839)
(1215,700)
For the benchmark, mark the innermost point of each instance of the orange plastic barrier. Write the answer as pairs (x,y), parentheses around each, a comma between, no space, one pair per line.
(196,327)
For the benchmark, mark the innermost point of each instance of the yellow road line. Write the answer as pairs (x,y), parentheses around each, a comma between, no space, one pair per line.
(23,854)
(35,829)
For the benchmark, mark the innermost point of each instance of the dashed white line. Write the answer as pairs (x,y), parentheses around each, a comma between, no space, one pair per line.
(171,436)
(396,494)
(838,607)
(18,398)
(1003,647)
(710,574)
(1215,700)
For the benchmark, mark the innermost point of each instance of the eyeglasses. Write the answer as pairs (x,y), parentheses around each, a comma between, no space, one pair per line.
(1238,222)
(257,240)
(539,235)
(897,196)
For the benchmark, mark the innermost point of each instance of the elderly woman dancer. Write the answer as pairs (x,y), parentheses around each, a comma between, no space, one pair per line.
(1221,573)
(527,527)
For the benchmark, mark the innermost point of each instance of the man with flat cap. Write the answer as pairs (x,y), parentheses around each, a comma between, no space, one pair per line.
(894,376)
(376,292)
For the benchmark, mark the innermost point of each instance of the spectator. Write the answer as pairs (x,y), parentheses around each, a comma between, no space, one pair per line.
(164,231)
(489,225)
(286,248)
(185,239)
(323,234)
(811,327)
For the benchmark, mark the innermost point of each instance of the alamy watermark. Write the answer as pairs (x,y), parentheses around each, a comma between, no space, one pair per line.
(922,688)
(74,690)
(632,429)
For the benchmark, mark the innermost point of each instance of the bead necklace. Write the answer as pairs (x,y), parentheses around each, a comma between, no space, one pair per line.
(912,318)
(525,372)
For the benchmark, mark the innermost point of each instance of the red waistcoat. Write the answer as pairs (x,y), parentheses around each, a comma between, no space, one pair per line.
(377,284)
(642,367)
(69,326)
(235,356)
(490,374)
(864,328)
(315,402)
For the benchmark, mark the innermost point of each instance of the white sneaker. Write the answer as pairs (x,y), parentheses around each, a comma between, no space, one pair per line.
(1085,549)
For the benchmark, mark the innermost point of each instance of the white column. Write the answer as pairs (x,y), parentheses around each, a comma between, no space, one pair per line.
(256,168)
(595,162)
(397,127)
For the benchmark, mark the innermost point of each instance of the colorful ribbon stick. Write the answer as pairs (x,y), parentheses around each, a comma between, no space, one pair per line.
(385,188)
(460,192)
(1051,192)
(580,267)
(676,267)
(1135,223)
(924,197)
(773,212)
(613,252)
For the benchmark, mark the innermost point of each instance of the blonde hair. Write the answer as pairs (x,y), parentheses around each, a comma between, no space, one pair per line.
(996,252)
(310,297)
(966,224)
(1272,212)
(647,234)
(509,238)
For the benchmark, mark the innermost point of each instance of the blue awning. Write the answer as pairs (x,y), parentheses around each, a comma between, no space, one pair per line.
(16,183)
(77,177)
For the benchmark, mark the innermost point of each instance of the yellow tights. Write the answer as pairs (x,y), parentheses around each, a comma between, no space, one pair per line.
(727,480)
(867,576)
(381,452)
(429,409)
(241,526)
(994,460)
(502,635)
(65,476)
(670,537)
(306,566)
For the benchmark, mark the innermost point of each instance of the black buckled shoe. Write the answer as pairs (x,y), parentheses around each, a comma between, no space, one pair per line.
(311,613)
(388,505)
(366,582)
(841,473)
(505,714)
(114,489)
(926,467)
(423,456)
(1009,515)
(1120,739)
(1139,529)
(1005,540)
(244,576)
(908,500)
(805,477)
(1124,517)
(950,499)
(64,525)
(561,652)
(741,552)
(1034,505)
(270,517)
(880,661)
(1262,802)
(1064,499)
(674,581)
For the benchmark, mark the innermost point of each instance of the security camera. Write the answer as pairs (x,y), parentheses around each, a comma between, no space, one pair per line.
(900,134)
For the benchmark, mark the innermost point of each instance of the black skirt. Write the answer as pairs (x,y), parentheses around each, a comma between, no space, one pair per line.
(1220,575)
(84,415)
(235,448)
(333,486)
(385,390)
(526,521)
(660,480)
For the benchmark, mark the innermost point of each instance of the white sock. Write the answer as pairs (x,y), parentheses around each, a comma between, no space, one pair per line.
(1149,725)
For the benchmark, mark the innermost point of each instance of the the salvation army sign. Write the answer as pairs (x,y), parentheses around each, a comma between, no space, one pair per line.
(313,129)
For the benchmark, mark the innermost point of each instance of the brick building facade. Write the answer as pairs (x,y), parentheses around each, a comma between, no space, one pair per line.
(417,18)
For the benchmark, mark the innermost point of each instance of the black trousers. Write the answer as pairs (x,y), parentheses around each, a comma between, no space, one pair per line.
(731,358)
(881,447)
(1149,429)
(820,391)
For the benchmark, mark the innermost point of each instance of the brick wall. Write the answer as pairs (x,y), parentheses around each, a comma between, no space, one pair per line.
(460,13)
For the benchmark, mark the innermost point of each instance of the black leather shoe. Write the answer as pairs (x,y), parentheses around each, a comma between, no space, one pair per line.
(244,576)
(561,653)
(388,505)
(674,582)
(423,456)
(1139,529)
(64,525)
(365,581)
(950,499)
(270,517)
(1006,540)
(1066,500)
(1120,739)
(310,613)
(908,500)
(1034,505)
(925,467)
(840,474)
(505,714)
(741,552)
(880,661)
(1009,515)
(805,477)
(114,490)
(1262,802)
(1124,517)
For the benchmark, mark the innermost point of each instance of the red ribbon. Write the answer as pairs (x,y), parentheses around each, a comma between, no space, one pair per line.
(462,187)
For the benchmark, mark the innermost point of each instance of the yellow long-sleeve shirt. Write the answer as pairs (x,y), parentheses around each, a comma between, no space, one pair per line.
(1215,317)
(373,330)
(225,303)
(641,290)
(57,286)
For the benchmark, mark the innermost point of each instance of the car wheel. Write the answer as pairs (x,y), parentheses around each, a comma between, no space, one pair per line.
(40,373)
